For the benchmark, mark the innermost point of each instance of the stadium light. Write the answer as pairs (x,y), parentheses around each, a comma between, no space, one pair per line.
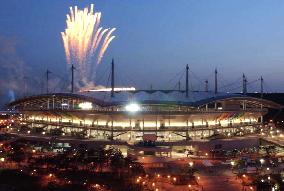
(85,105)
(132,107)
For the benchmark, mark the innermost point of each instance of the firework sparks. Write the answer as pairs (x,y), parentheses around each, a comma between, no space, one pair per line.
(85,42)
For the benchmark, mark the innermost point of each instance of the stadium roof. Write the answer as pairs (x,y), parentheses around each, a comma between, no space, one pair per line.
(194,99)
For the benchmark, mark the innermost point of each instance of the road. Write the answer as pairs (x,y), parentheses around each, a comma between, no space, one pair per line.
(218,177)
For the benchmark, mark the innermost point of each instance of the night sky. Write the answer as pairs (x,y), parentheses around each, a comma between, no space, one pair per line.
(155,40)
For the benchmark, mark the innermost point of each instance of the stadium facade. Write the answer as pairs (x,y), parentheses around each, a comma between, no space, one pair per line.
(135,116)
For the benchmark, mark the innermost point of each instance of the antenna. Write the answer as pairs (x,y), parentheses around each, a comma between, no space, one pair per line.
(216,81)
(261,87)
(186,81)
(112,78)
(244,84)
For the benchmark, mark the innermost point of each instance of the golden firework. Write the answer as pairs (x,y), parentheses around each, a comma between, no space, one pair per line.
(85,42)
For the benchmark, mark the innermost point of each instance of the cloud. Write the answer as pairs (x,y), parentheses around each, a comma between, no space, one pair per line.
(12,71)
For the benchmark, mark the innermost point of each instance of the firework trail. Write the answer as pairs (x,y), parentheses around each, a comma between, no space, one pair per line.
(85,42)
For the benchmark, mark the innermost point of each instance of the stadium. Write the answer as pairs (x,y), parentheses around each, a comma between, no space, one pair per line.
(129,116)
(126,116)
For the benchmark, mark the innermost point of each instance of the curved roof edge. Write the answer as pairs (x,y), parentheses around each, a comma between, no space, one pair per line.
(224,97)
(267,103)
(62,95)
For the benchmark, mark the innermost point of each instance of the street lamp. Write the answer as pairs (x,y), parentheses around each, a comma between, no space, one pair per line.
(261,161)
(232,165)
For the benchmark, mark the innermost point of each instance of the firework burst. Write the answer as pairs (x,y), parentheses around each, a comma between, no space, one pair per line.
(85,42)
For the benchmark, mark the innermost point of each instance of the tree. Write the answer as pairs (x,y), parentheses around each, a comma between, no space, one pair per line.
(100,157)
(116,160)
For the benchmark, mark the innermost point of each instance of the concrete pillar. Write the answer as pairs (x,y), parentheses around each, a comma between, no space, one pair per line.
(261,117)
(143,125)
(187,135)
(244,107)
(111,129)
(156,122)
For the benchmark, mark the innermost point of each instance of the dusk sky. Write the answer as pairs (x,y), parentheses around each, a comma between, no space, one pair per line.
(156,39)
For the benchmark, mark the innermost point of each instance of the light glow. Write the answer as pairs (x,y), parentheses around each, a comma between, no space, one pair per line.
(121,89)
(85,105)
(132,107)
(262,161)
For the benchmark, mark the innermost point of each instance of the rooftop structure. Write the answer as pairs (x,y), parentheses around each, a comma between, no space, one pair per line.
(133,116)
